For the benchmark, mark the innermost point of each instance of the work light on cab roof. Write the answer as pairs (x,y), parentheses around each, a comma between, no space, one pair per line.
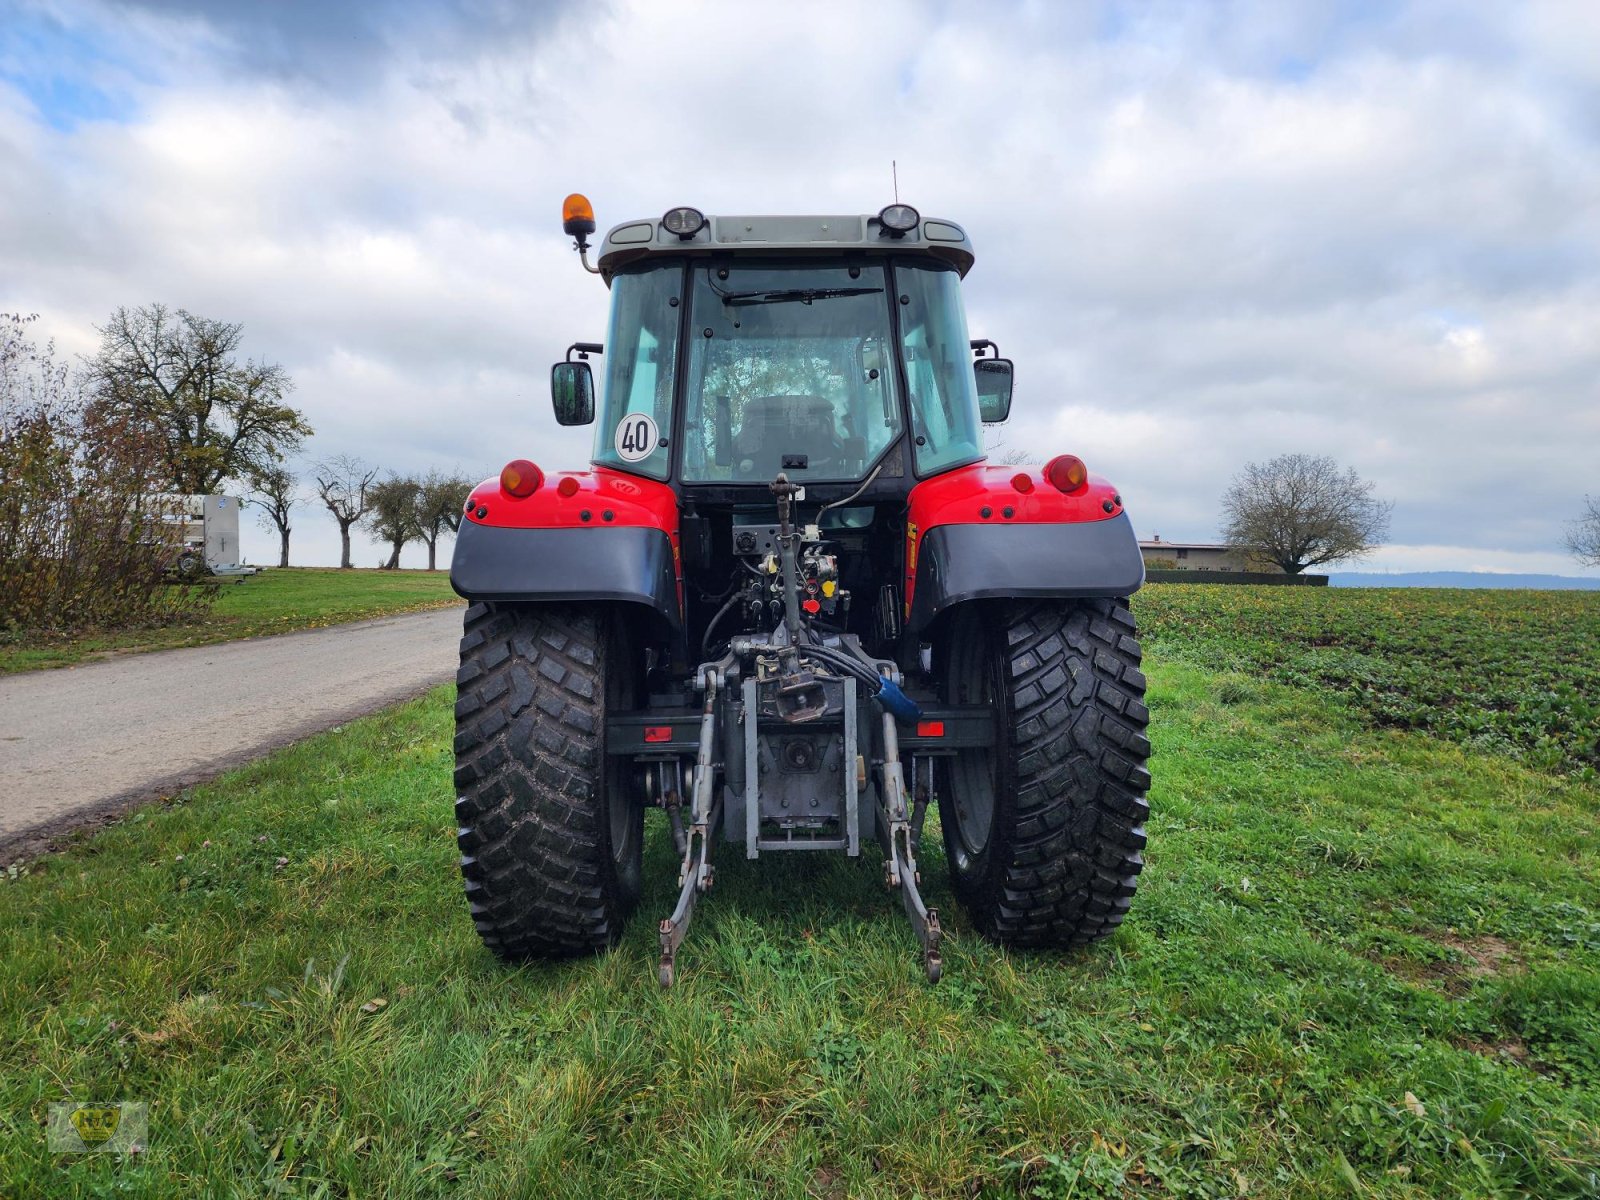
(685,222)
(791,603)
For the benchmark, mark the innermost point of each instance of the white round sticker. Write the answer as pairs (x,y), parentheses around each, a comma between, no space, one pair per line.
(636,438)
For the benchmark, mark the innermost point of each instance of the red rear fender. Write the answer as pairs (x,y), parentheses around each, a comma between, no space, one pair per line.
(595,498)
(1007,495)
(995,532)
(604,502)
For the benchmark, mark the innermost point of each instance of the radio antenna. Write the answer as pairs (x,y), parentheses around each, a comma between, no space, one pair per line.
(894,167)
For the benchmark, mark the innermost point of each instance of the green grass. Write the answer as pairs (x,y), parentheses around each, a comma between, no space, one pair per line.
(1509,672)
(1334,917)
(276,601)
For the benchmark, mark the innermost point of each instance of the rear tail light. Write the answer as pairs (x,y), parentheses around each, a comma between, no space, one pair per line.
(520,478)
(1023,482)
(1067,472)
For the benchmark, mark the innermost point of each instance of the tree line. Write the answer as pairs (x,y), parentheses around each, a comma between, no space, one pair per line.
(215,420)
(94,455)
(397,510)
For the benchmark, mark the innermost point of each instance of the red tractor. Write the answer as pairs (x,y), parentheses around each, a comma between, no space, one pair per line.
(792,605)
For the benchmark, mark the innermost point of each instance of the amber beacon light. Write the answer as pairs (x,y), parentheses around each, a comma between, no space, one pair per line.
(577,216)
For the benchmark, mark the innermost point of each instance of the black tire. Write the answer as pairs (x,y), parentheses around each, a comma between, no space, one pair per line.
(191,566)
(1044,831)
(550,830)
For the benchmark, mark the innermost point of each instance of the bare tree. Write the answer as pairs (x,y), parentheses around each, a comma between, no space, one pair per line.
(274,490)
(177,375)
(392,514)
(440,500)
(343,482)
(1300,510)
(1583,534)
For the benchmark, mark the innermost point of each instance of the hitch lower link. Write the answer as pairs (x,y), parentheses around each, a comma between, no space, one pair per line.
(904,829)
(695,877)
(899,829)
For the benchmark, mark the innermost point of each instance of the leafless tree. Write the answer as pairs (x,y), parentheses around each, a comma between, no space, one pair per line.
(1583,534)
(392,514)
(274,491)
(343,483)
(1301,510)
(177,375)
(439,508)
(1001,453)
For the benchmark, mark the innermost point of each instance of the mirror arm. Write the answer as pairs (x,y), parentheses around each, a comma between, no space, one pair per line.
(581,245)
(584,349)
(979,345)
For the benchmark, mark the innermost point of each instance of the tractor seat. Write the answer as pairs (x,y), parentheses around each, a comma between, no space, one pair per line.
(777,425)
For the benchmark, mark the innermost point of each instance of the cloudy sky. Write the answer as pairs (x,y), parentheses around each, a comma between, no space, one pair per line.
(1207,234)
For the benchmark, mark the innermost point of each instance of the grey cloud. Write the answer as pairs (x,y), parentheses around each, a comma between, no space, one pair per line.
(345,46)
(1205,234)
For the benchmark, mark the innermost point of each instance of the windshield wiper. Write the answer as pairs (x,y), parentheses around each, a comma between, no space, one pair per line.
(791,295)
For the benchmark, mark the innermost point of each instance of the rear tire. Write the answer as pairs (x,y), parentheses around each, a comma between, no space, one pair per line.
(1044,831)
(550,830)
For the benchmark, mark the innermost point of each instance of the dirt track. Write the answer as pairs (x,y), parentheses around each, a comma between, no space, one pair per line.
(81,744)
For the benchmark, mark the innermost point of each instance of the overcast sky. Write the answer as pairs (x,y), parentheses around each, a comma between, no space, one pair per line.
(1207,234)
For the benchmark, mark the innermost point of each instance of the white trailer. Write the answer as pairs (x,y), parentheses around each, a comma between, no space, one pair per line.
(211,529)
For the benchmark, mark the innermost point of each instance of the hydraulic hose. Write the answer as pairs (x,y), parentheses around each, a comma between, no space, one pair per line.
(840,503)
(882,689)
(843,662)
(711,626)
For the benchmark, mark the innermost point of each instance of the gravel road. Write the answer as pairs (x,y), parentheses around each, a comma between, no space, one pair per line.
(81,744)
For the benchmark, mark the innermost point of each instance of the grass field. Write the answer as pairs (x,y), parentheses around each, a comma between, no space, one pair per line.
(1364,961)
(1508,672)
(275,601)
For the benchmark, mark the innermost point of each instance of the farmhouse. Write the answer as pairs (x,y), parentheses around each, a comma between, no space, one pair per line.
(1198,556)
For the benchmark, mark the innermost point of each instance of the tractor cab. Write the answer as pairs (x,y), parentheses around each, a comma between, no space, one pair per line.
(828,348)
(829,351)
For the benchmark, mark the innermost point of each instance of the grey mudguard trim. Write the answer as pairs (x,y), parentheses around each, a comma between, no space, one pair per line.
(596,563)
(996,560)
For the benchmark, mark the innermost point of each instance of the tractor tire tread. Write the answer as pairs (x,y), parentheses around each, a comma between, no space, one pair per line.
(528,757)
(1079,743)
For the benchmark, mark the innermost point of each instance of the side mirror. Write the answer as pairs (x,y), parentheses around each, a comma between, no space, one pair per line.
(572,393)
(994,388)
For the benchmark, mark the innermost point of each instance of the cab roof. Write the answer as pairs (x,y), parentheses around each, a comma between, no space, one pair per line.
(782,236)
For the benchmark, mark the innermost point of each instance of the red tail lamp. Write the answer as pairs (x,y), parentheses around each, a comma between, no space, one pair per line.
(1067,472)
(568,486)
(1023,482)
(520,478)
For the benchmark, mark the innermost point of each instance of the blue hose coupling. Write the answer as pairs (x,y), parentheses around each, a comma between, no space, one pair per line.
(897,702)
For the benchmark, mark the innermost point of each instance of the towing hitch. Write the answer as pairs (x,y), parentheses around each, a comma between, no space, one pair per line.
(897,823)
(782,750)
